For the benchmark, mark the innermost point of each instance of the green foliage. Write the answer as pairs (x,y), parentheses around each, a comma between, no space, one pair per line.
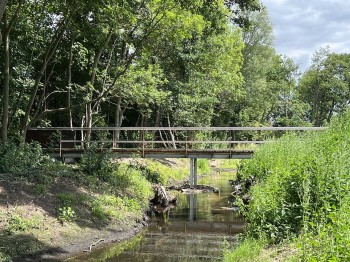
(40,189)
(325,85)
(203,166)
(109,206)
(19,223)
(66,214)
(66,199)
(159,173)
(248,250)
(23,158)
(95,163)
(303,191)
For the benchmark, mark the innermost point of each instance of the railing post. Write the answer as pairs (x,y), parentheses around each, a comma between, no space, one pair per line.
(61,147)
(143,144)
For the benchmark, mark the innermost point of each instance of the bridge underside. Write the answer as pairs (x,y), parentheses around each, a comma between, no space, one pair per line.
(168,153)
(192,154)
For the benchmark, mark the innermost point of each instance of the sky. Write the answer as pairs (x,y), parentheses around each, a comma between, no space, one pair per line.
(302,27)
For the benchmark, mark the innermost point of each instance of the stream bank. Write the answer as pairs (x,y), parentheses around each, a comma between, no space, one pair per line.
(60,210)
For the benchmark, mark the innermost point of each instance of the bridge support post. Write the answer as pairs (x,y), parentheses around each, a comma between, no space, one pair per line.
(193,172)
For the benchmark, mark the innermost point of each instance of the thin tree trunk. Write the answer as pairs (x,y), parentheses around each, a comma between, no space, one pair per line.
(119,113)
(171,133)
(48,55)
(6,92)
(3,4)
(70,61)
(89,111)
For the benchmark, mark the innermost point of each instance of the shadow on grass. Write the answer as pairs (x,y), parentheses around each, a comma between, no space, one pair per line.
(29,248)
(36,194)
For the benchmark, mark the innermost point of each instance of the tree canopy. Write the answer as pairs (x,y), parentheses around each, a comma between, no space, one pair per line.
(156,63)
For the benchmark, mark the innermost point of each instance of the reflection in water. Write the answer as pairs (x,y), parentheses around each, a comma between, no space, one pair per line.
(195,230)
(193,207)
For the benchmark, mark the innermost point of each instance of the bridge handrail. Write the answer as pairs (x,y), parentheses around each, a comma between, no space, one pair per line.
(263,128)
(171,141)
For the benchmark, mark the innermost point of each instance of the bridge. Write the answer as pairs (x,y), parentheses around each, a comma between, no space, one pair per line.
(160,142)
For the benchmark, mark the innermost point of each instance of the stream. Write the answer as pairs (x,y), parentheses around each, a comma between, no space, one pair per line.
(197,229)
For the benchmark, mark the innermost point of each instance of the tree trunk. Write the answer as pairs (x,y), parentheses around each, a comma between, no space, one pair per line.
(48,55)
(3,4)
(70,61)
(89,111)
(119,112)
(6,92)
(171,133)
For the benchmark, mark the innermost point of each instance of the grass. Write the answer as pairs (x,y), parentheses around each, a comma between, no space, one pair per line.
(248,250)
(47,205)
(303,193)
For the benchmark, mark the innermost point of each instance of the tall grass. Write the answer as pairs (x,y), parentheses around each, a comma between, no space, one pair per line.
(303,192)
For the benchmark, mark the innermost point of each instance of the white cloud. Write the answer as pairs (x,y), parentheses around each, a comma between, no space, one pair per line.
(303,26)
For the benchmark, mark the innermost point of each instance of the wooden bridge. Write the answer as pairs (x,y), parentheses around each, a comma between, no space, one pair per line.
(160,142)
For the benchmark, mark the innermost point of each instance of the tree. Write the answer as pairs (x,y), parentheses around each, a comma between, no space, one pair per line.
(325,85)
(7,27)
(3,4)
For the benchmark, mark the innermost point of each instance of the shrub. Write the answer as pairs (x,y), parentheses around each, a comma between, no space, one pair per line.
(23,158)
(95,163)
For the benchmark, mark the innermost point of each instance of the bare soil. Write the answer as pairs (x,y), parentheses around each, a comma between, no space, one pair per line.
(29,225)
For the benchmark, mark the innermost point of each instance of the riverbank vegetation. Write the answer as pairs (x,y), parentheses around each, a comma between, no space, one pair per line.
(302,193)
(42,199)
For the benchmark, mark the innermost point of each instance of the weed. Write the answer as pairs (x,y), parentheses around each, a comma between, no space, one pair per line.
(248,250)
(66,214)
(18,223)
(40,189)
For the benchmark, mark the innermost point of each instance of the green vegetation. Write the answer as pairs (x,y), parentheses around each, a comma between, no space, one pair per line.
(302,193)
(69,201)
(248,250)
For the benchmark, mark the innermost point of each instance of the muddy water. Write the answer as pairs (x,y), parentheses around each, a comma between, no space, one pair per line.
(195,230)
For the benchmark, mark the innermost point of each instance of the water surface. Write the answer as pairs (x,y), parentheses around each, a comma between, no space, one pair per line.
(195,230)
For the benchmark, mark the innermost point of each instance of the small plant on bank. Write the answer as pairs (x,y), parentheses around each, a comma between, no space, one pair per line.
(18,223)
(95,163)
(66,214)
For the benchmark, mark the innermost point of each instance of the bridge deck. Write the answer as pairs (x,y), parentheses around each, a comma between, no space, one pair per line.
(164,153)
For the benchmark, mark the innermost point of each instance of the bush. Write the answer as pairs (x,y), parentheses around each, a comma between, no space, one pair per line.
(25,159)
(98,164)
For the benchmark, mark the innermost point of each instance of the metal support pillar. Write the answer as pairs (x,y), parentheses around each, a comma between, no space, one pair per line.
(193,172)
(195,165)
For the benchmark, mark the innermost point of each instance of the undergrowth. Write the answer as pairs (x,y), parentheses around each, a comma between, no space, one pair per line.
(303,192)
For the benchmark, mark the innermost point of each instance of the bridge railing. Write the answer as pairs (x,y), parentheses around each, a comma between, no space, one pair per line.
(177,138)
